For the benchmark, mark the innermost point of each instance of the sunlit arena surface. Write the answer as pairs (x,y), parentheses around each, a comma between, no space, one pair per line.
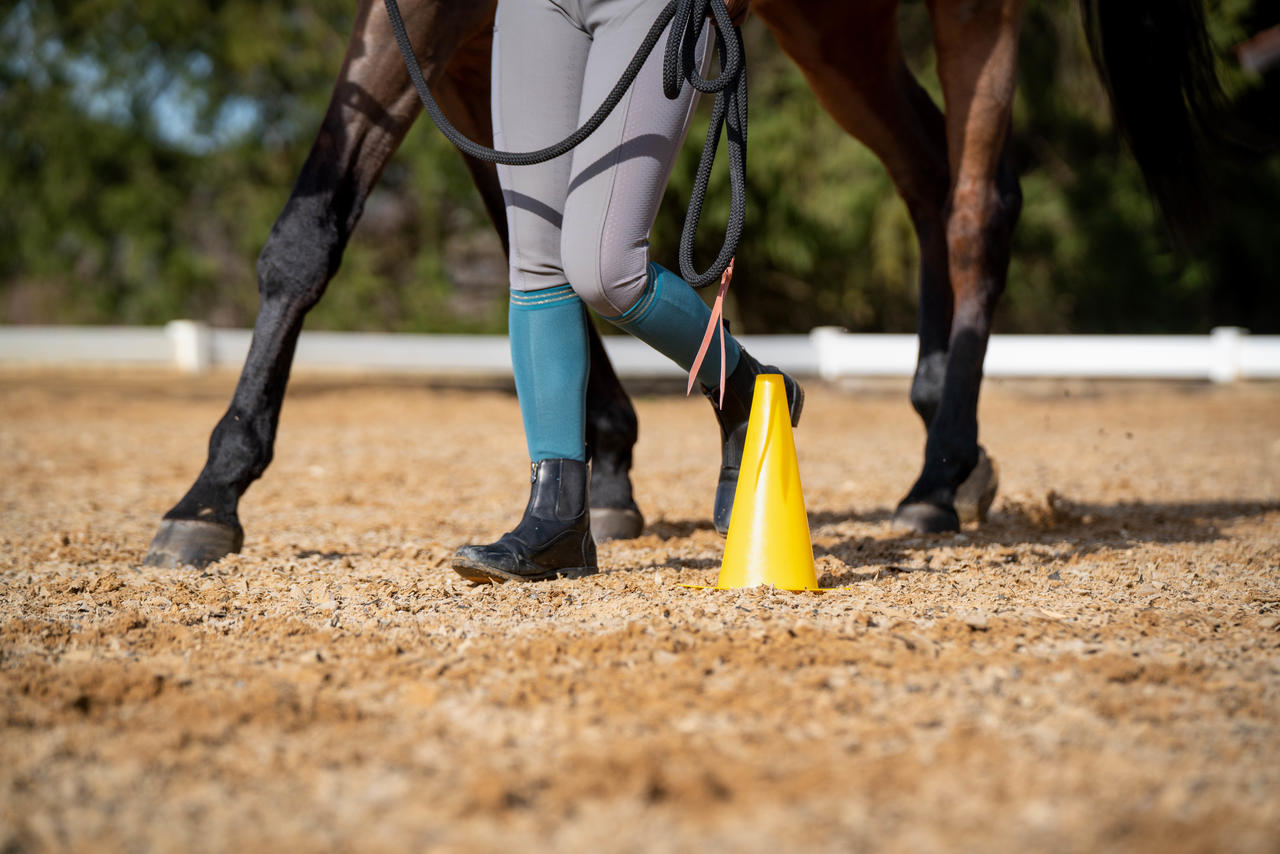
(1095,668)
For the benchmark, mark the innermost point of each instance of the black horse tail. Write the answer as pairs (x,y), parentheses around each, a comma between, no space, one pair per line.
(1158,66)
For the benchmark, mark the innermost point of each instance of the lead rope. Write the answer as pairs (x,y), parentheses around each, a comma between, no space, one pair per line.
(717,320)
(679,66)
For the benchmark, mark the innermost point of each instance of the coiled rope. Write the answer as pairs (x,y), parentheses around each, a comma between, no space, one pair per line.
(688,18)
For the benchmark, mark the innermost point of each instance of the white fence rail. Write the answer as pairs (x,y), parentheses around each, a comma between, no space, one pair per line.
(1225,355)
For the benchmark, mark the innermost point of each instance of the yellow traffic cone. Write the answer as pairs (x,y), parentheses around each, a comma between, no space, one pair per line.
(769,531)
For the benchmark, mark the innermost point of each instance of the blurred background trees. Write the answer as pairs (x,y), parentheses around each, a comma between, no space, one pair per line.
(147,146)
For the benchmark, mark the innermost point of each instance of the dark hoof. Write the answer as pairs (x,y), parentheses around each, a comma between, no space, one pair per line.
(924,518)
(616,523)
(974,497)
(186,542)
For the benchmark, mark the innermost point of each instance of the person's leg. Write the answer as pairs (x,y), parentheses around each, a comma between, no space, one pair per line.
(550,359)
(539,56)
(617,182)
(618,177)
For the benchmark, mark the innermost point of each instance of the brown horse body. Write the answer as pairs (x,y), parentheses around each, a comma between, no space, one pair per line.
(951,168)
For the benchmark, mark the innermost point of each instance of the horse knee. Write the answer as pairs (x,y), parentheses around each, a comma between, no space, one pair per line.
(301,254)
(979,233)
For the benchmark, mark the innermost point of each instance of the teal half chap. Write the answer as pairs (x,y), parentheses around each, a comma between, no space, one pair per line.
(549,355)
(671,318)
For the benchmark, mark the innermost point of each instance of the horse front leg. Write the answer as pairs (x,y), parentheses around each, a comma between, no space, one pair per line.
(371,109)
(977,43)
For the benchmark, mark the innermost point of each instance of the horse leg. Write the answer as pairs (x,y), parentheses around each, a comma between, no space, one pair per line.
(612,430)
(869,91)
(977,46)
(372,107)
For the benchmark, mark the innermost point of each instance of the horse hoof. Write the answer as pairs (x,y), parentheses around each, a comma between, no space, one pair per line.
(974,497)
(615,523)
(923,518)
(187,542)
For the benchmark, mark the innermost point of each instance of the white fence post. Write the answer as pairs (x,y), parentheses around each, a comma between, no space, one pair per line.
(1228,342)
(825,341)
(192,345)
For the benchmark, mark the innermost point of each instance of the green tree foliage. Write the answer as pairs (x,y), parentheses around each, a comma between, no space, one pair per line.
(147,146)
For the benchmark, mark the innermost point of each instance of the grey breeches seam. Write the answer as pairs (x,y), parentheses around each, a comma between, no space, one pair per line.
(583,218)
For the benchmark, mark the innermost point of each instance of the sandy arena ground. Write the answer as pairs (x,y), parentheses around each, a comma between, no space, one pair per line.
(1096,668)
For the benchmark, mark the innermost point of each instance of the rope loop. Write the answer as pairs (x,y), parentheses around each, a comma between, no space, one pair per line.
(680,65)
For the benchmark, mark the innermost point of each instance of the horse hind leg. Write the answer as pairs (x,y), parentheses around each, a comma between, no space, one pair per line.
(612,430)
(371,109)
(977,55)
(869,91)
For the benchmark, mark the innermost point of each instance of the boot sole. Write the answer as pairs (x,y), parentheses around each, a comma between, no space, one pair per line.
(478,573)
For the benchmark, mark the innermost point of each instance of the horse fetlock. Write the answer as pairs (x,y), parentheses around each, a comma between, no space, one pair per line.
(976,493)
(930,506)
(958,489)
(614,512)
(208,501)
(610,481)
(612,430)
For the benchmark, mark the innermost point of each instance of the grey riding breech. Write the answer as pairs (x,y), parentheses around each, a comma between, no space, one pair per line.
(583,218)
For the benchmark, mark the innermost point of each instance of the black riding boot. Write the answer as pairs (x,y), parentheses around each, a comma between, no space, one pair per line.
(553,539)
(739,390)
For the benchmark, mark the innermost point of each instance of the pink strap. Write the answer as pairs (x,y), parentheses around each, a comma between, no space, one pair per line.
(717,319)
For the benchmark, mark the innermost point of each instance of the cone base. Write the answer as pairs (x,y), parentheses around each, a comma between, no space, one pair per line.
(774,586)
